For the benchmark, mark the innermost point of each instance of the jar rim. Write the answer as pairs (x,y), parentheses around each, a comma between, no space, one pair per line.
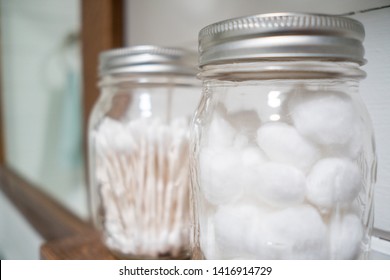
(147,79)
(278,69)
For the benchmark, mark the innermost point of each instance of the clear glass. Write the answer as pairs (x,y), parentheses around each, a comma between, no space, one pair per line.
(138,164)
(283,162)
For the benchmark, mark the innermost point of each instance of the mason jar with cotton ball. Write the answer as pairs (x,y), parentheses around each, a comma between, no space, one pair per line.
(139,151)
(283,160)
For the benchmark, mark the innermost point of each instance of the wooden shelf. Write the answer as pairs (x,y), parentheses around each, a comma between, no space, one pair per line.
(79,247)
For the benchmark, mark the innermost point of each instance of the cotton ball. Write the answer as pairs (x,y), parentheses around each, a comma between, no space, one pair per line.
(233,223)
(178,129)
(111,134)
(252,157)
(179,123)
(346,233)
(261,243)
(352,148)
(240,141)
(125,138)
(325,117)
(292,233)
(278,185)
(282,143)
(220,175)
(207,238)
(354,207)
(109,125)
(355,146)
(245,123)
(333,182)
(220,133)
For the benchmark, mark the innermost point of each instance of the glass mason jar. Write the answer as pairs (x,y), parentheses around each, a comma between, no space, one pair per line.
(283,161)
(138,151)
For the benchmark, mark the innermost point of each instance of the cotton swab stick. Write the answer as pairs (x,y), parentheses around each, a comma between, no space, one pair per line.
(145,193)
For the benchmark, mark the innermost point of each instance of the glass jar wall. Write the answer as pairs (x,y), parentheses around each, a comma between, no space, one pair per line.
(138,147)
(283,162)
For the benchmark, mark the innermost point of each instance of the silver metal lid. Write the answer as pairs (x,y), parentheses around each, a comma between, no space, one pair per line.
(282,36)
(148,59)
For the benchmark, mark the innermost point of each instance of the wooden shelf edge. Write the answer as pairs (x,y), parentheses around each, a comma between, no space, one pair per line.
(48,217)
(86,246)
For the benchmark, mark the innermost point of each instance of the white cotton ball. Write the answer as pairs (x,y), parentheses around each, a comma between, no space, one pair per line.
(179,123)
(123,141)
(220,133)
(325,117)
(282,143)
(104,133)
(276,184)
(240,141)
(354,207)
(109,125)
(345,233)
(333,182)
(292,233)
(114,135)
(207,235)
(352,148)
(233,223)
(178,129)
(355,146)
(207,241)
(220,175)
(252,157)
(245,123)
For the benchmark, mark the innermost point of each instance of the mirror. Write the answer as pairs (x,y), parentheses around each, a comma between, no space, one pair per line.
(41,92)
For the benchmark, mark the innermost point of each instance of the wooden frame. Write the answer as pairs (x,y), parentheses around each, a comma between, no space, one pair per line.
(102,29)
(67,236)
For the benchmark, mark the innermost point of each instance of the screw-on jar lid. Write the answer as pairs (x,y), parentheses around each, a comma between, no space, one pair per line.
(282,36)
(148,59)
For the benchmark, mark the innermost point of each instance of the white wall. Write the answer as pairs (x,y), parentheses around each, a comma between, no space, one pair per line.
(177,22)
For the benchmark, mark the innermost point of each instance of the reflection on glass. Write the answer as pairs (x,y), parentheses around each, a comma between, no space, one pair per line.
(274,117)
(273,99)
(145,105)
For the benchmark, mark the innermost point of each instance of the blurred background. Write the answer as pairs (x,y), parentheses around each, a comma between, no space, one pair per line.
(43,49)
